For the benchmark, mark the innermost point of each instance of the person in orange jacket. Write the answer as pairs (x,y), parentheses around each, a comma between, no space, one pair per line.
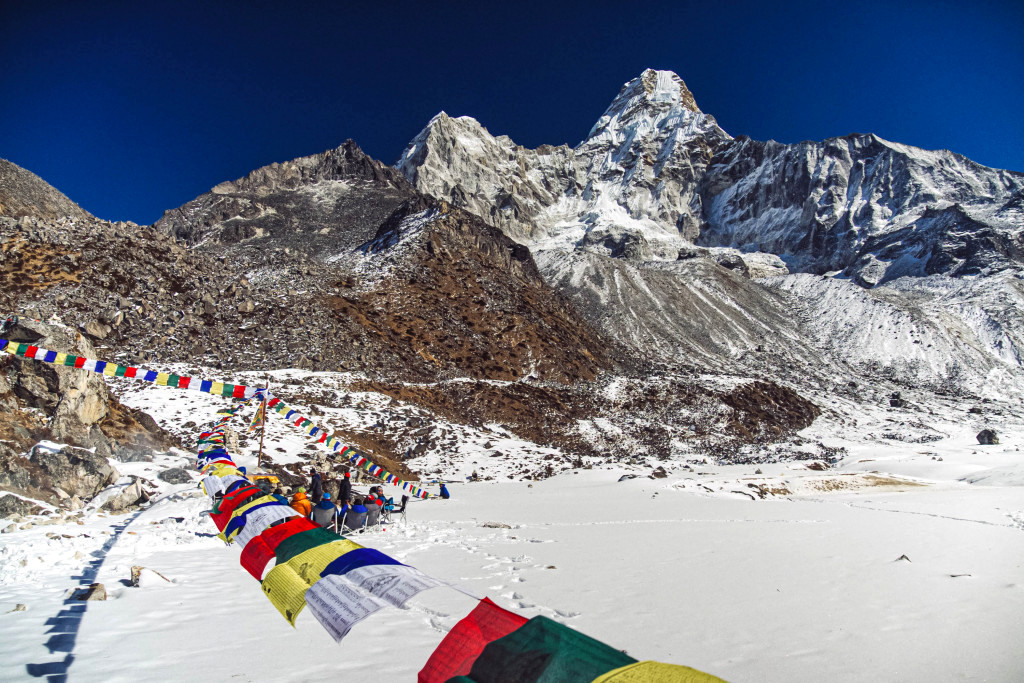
(300,503)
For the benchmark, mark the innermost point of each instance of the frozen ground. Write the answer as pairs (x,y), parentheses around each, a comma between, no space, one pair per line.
(696,568)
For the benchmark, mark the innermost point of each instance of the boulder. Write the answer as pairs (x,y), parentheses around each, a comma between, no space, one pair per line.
(175,475)
(95,591)
(129,497)
(988,437)
(132,454)
(78,472)
(12,505)
(96,329)
(732,262)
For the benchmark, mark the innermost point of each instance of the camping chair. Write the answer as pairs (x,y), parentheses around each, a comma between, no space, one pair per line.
(373,516)
(325,518)
(354,521)
(391,510)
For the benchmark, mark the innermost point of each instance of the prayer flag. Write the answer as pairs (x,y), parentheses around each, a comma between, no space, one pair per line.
(464,643)
(259,418)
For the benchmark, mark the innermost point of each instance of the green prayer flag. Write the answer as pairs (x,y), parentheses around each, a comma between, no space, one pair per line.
(303,541)
(544,651)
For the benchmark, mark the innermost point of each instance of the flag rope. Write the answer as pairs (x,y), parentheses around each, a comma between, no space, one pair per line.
(215,388)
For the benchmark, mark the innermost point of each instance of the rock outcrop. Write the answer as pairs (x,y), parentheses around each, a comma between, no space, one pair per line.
(57,405)
(23,193)
(75,471)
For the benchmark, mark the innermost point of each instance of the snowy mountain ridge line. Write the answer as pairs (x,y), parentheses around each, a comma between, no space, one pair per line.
(655,174)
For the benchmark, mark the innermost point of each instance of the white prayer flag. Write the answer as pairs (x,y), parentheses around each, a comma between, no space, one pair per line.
(258,520)
(338,605)
(393,583)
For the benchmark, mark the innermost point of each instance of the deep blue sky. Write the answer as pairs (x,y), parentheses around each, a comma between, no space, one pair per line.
(133,108)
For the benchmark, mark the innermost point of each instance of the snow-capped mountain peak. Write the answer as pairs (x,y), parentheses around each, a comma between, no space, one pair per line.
(652,93)
(654,108)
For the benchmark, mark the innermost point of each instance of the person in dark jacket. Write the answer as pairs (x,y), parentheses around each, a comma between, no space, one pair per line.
(345,492)
(444,491)
(316,486)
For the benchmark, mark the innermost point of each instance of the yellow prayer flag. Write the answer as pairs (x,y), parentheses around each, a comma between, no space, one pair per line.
(287,583)
(161,378)
(656,672)
(110,370)
(217,388)
(222,470)
(60,358)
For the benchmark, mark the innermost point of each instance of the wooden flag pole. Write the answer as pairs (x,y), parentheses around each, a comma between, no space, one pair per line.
(263,427)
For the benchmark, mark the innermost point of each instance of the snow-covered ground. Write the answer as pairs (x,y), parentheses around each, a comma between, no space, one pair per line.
(805,584)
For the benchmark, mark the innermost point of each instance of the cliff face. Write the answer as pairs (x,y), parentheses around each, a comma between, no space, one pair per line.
(871,208)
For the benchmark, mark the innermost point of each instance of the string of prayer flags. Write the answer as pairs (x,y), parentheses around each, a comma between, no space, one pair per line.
(344,583)
(310,565)
(206,386)
(100,367)
(333,443)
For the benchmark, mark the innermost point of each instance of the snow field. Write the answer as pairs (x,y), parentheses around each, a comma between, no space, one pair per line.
(804,585)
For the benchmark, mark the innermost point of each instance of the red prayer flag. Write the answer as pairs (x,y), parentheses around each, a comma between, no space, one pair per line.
(467,639)
(228,504)
(275,534)
(255,556)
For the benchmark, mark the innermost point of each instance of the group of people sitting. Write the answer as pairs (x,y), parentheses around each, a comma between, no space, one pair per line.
(351,510)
